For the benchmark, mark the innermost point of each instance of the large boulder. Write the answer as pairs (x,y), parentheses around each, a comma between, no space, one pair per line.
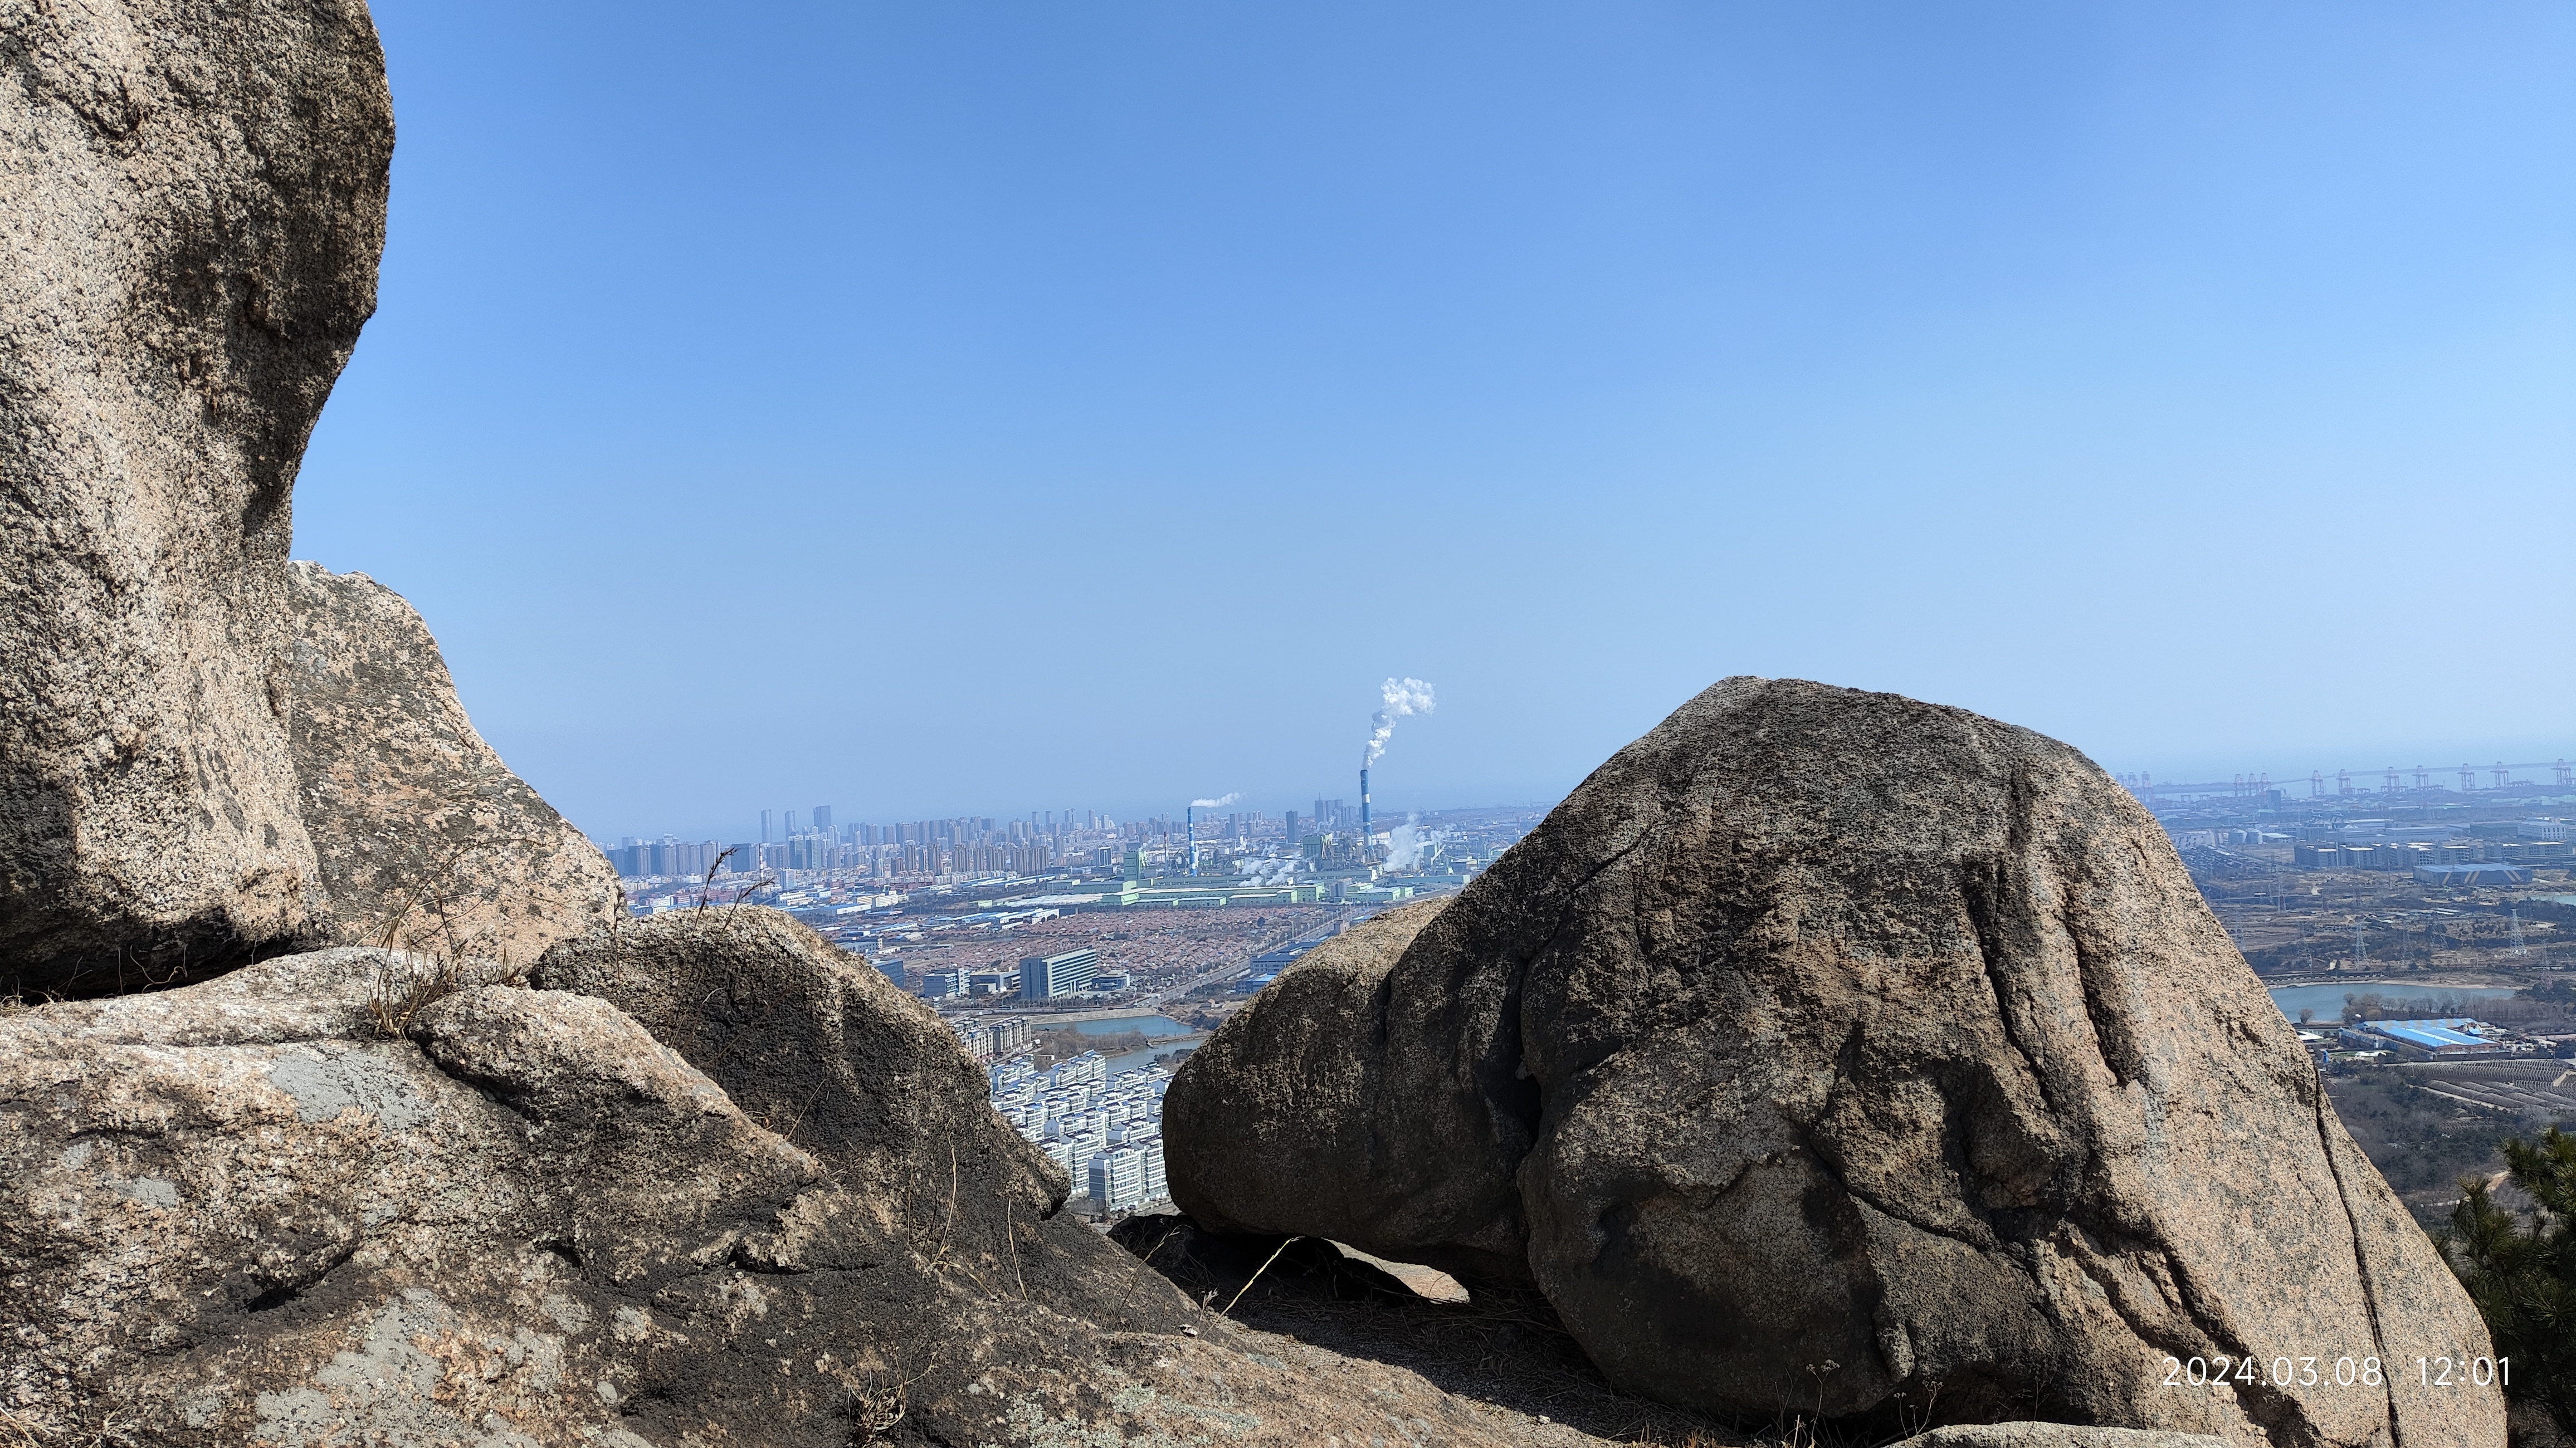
(1829,1046)
(421,836)
(821,1048)
(192,200)
(1275,1130)
(351,1197)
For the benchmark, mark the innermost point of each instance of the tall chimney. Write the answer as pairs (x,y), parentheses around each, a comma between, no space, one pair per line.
(1366,847)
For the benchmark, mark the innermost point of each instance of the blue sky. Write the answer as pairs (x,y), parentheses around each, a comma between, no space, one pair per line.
(972,407)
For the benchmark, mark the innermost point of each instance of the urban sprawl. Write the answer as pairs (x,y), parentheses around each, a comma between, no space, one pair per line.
(1077,956)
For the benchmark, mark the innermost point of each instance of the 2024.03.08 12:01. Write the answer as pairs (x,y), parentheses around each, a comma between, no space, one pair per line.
(2284,1372)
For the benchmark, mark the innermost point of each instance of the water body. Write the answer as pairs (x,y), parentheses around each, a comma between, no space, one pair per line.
(2327,1000)
(1150,1026)
(1139,1060)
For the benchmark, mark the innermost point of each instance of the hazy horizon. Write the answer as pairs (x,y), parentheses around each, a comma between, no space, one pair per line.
(1393,798)
(944,410)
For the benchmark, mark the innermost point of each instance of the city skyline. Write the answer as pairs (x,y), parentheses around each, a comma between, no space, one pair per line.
(2440,772)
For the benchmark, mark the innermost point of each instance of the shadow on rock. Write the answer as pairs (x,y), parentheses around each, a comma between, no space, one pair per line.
(1503,1346)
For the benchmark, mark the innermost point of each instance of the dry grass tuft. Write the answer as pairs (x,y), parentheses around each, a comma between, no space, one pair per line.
(402,991)
(436,965)
(21,1430)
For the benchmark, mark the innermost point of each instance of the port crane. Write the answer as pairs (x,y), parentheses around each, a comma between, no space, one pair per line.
(2499,773)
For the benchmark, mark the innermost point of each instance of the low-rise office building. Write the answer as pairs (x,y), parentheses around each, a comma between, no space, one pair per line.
(1043,977)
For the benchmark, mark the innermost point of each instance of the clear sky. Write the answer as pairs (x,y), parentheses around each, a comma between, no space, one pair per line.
(964,407)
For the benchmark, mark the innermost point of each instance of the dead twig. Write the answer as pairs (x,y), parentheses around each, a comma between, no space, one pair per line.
(947,1228)
(1011,1240)
(707,887)
(1256,1275)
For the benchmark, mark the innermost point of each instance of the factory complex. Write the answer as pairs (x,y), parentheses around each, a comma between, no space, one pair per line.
(2452,1038)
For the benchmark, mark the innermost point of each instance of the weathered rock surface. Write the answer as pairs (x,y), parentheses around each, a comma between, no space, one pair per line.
(1242,1156)
(192,200)
(421,835)
(1829,1028)
(241,1213)
(821,1048)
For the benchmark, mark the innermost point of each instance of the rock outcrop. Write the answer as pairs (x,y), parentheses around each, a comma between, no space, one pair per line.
(192,200)
(310,1203)
(421,836)
(821,1048)
(1278,1130)
(1832,1045)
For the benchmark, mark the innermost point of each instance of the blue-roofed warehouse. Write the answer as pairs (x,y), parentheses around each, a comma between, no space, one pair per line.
(2438,1039)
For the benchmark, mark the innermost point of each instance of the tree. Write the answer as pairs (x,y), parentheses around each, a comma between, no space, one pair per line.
(2520,1269)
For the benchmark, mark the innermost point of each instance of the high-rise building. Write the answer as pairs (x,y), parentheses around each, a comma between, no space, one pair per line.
(823,817)
(1081,1147)
(1157,1185)
(765,835)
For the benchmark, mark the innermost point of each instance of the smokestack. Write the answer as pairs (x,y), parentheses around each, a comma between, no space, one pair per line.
(1190,818)
(1366,849)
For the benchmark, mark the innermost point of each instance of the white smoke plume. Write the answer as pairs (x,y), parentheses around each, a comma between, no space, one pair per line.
(1268,872)
(1404,697)
(1408,845)
(1219,802)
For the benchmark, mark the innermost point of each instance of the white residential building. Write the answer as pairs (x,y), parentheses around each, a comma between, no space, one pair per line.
(1118,1178)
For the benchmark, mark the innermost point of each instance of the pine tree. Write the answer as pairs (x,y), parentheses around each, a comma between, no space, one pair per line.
(2520,1269)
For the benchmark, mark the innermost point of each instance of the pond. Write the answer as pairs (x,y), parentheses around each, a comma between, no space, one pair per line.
(2327,1000)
